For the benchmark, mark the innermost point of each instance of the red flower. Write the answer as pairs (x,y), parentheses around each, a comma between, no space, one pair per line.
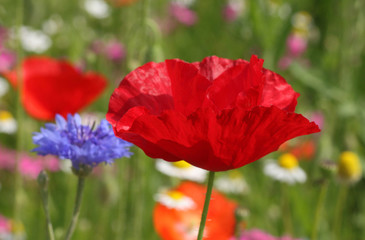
(183,224)
(54,86)
(217,114)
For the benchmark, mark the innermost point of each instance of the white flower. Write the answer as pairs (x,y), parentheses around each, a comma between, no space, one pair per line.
(4,86)
(302,21)
(182,170)
(185,3)
(7,123)
(66,165)
(52,25)
(97,8)
(233,182)
(286,169)
(34,40)
(175,200)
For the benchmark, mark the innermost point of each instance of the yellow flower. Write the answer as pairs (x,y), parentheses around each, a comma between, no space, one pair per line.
(349,167)
(7,123)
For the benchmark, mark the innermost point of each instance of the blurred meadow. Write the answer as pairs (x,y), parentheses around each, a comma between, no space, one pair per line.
(317,46)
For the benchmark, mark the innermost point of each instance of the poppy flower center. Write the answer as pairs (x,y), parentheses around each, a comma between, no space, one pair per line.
(181,164)
(176,195)
(288,161)
(5,115)
(349,165)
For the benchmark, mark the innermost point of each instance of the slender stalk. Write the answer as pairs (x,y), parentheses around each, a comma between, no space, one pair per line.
(342,195)
(43,185)
(19,113)
(288,226)
(319,209)
(75,215)
(206,205)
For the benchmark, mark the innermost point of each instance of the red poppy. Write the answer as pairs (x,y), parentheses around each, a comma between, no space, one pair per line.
(53,86)
(119,3)
(218,114)
(183,224)
(303,150)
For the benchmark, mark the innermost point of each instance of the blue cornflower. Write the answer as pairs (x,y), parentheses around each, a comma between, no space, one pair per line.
(82,144)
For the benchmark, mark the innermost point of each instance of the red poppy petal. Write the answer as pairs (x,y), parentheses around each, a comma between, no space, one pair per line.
(278,92)
(246,136)
(187,85)
(243,81)
(12,77)
(148,85)
(212,67)
(52,86)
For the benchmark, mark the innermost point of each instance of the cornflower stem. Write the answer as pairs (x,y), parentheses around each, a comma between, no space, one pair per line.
(76,212)
(319,209)
(43,185)
(206,205)
(342,195)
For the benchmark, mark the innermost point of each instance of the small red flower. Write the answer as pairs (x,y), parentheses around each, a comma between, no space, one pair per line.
(183,224)
(53,86)
(218,114)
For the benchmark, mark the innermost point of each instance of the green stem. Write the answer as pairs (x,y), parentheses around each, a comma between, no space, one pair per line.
(286,210)
(19,114)
(43,184)
(319,209)
(75,215)
(342,195)
(206,205)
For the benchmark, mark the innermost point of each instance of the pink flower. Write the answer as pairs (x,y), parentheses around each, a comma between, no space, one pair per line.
(29,166)
(318,118)
(256,234)
(285,62)
(114,51)
(232,10)
(5,226)
(296,45)
(7,60)
(183,14)
(230,14)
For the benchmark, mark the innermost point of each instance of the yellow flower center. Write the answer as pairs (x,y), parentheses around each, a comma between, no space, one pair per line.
(349,166)
(181,164)
(176,195)
(5,115)
(235,174)
(288,161)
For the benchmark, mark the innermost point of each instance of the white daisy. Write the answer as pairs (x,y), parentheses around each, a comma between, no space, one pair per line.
(182,170)
(233,182)
(185,3)
(4,86)
(34,40)
(175,200)
(302,21)
(97,8)
(7,123)
(286,169)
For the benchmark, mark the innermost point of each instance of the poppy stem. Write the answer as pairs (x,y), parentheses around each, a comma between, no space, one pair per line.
(206,205)
(75,215)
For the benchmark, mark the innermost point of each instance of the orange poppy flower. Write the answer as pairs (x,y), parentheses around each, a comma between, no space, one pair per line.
(177,223)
